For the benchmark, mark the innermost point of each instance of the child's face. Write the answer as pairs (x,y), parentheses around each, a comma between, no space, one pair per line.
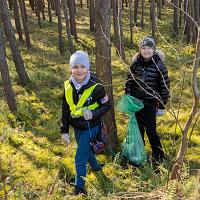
(146,52)
(79,72)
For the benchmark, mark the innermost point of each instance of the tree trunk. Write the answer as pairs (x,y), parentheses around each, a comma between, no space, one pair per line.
(103,59)
(71,6)
(10,4)
(37,10)
(10,96)
(180,12)
(194,28)
(71,45)
(153,17)
(163,3)
(92,15)
(188,21)
(26,31)
(25,14)
(121,35)
(142,13)
(159,6)
(17,20)
(53,4)
(197,11)
(118,31)
(41,7)
(126,2)
(115,22)
(175,2)
(136,3)
(32,4)
(60,38)
(49,11)
(13,43)
(196,15)
(131,20)
(183,148)
(81,3)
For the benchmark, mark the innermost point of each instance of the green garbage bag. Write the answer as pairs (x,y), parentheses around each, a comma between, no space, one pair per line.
(133,146)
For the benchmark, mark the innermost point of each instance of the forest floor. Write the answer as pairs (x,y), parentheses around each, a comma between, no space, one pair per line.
(36,164)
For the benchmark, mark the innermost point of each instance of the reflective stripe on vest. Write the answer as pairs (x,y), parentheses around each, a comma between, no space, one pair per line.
(77,110)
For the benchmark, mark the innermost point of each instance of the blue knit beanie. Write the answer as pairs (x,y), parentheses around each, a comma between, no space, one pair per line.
(80,57)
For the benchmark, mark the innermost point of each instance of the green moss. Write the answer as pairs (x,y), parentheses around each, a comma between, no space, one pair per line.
(33,157)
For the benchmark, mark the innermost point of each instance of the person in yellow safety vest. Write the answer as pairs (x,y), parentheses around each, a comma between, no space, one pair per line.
(83,105)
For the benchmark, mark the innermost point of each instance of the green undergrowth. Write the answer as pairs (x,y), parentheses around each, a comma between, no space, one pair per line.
(36,164)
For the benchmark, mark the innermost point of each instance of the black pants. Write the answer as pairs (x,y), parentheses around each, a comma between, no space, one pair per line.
(146,119)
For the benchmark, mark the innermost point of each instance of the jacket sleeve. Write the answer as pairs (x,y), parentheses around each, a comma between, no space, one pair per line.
(100,96)
(129,82)
(64,127)
(164,85)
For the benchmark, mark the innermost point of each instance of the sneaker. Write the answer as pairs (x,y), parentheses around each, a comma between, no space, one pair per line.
(78,190)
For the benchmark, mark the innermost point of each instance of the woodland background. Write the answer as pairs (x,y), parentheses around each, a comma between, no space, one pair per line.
(36,40)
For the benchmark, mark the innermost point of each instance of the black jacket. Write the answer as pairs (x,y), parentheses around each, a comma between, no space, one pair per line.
(151,80)
(80,123)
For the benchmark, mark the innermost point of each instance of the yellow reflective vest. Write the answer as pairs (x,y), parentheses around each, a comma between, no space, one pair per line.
(77,110)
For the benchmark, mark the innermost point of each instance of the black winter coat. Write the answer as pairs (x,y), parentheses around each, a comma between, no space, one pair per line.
(151,80)
(80,123)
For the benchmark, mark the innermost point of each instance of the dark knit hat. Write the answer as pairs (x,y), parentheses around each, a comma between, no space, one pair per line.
(148,41)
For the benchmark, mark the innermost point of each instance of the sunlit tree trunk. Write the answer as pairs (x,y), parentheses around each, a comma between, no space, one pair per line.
(175,2)
(121,35)
(193,27)
(49,11)
(142,13)
(32,4)
(92,15)
(153,17)
(103,59)
(71,45)
(17,20)
(19,64)
(26,31)
(136,3)
(60,38)
(25,14)
(9,93)
(159,6)
(131,20)
(37,10)
(118,31)
(81,3)
(188,21)
(71,5)
(180,12)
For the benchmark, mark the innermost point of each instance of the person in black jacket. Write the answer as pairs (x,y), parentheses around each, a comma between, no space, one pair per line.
(84,103)
(148,81)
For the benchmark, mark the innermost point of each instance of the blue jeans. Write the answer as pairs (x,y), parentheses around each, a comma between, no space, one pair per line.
(84,154)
